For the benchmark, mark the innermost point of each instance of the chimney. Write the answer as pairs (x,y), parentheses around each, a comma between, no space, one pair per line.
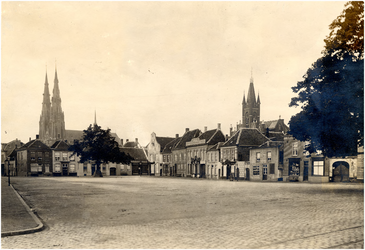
(127,140)
(121,142)
(177,135)
(226,137)
(30,138)
(137,141)
(205,129)
(219,126)
(37,137)
(186,130)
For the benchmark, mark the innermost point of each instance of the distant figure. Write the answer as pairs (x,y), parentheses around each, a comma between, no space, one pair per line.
(140,171)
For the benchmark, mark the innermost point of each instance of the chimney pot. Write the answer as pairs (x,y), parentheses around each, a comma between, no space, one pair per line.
(186,130)
(219,126)
(205,129)
(30,138)
(37,137)
(177,135)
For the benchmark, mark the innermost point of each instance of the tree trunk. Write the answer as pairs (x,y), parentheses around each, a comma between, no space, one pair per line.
(97,172)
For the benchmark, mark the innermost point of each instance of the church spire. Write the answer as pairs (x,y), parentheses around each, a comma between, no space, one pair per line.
(251,93)
(244,98)
(46,95)
(95,119)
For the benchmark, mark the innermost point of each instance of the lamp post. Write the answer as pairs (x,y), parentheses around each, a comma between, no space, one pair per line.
(8,171)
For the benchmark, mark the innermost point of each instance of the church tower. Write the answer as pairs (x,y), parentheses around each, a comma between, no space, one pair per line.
(45,119)
(57,116)
(251,108)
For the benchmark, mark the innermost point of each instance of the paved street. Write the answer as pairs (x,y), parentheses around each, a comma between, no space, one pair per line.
(157,212)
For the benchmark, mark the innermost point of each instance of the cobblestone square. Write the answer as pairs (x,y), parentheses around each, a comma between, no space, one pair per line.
(159,212)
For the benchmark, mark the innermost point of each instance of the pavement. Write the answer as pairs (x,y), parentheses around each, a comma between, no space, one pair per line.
(178,213)
(16,216)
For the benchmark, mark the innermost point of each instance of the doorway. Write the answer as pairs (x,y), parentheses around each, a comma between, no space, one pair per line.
(247,174)
(341,171)
(113,171)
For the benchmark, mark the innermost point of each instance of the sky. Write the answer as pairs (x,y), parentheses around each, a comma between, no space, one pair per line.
(158,67)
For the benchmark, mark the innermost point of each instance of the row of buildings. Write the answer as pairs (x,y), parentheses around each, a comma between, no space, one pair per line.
(253,150)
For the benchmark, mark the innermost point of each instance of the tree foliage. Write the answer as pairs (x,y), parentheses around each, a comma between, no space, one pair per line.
(332,92)
(99,146)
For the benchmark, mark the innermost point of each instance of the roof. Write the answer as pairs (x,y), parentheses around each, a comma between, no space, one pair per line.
(72,135)
(187,137)
(163,141)
(210,137)
(38,144)
(60,146)
(215,146)
(10,146)
(130,144)
(168,147)
(272,144)
(138,154)
(246,137)
(277,125)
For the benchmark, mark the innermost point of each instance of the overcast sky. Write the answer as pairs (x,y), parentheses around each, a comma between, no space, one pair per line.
(155,66)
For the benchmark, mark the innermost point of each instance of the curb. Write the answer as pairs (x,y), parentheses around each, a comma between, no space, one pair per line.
(38,228)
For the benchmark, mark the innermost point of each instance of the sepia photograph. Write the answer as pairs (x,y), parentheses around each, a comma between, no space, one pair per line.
(182,125)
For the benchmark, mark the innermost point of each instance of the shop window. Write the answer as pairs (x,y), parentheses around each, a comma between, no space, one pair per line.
(272,168)
(57,168)
(318,168)
(256,170)
(72,168)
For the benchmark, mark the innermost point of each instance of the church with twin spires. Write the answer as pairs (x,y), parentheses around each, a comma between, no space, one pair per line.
(52,119)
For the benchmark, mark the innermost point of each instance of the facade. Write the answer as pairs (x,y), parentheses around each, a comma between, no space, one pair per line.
(235,152)
(214,165)
(34,159)
(63,162)
(179,154)
(8,157)
(167,164)
(154,149)
(266,162)
(197,149)
(299,165)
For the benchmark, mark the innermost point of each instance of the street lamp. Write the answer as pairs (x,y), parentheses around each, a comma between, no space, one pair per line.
(8,171)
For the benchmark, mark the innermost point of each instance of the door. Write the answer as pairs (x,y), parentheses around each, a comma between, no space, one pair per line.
(305,171)
(228,171)
(264,172)
(247,174)
(113,171)
(64,169)
(341,171)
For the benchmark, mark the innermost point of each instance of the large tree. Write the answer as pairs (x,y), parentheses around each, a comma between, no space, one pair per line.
(331,95)
(99,146)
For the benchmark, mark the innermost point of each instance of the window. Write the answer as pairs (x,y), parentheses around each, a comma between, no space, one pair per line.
(164,158)
(34,167)
(72,157)
(269,156)
(57,156)
(85,167)
(57,168)
(256,170)
(72,168)
(272,168)
(46,154)
(318,168)
(32,156)
(65,156)
(46,168)
(295,149)
(39,167)
(258,157)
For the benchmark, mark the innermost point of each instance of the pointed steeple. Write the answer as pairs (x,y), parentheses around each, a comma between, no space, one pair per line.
(46,95)
(56,89)
(244,98)
(258,98)
(251,93)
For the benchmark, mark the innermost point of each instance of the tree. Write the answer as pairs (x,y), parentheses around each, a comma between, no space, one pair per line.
(99,146)
(332,92)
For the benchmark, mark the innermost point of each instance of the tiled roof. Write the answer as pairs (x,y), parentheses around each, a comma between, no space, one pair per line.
(163,141)
(34,143)
(170,145)
(187,137)
(60,146)
(72,135)
(137,153)
(130,144)
(215,146)
(246,137)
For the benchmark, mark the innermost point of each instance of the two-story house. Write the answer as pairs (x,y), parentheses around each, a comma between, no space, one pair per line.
(64,162)
(167,165)
(34,158)
(235,152)
(214,165)
(197,149)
